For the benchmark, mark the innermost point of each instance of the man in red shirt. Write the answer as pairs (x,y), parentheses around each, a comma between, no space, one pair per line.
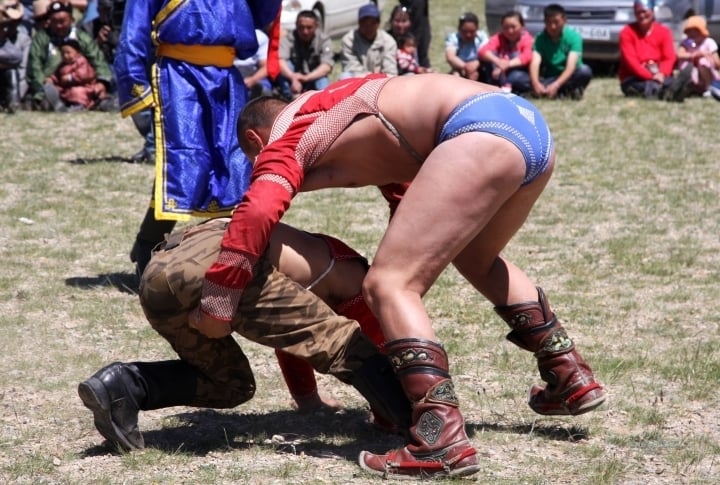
(647,57)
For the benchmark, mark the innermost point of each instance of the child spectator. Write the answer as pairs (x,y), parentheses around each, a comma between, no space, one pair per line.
(407,60)
(506,56)
(74,85)
(699,52)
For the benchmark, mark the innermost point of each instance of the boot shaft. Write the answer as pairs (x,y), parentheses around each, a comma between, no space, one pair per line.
(166,383)
(422,367)
(535,327)
(571,386)
(422,358)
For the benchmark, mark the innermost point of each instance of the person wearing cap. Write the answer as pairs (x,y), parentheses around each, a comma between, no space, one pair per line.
(647,57)
(699,51)
(45,54)
(557,69)
(11,53)
(368,49)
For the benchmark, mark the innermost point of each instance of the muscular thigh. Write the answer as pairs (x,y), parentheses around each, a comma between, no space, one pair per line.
(458,190)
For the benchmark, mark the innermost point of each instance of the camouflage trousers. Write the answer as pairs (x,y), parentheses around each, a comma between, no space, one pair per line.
(273,311)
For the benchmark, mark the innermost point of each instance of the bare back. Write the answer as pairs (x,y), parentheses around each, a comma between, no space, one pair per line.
(368,153)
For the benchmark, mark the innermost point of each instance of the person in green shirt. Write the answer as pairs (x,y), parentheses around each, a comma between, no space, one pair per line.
(556,69)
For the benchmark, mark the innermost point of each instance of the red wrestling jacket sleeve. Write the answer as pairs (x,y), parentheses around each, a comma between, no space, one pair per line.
(275,181)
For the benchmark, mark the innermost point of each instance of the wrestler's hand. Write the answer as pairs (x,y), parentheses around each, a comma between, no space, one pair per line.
(207,325)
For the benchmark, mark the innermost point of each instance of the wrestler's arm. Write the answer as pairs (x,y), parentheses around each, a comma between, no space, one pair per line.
(276,179)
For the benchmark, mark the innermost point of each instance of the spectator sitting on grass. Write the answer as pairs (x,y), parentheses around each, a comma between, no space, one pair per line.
(647,57)
(556,69)
(306,57)
(699,52)
(45,53)
(407,60)
(506,56)
(461,47)
(367,49)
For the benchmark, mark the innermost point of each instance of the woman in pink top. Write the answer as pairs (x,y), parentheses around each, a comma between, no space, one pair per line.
(507,55)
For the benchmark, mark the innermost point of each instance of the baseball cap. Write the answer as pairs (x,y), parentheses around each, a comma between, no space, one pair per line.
(369,10)
(58,6)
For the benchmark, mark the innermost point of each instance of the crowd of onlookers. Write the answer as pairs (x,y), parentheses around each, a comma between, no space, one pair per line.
(58,55)
(549,64)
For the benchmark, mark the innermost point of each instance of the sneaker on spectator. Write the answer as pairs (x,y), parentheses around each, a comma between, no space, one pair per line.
(715,89)
(576,94)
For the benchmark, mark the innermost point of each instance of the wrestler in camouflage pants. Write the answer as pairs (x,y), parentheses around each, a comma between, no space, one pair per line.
(273,311)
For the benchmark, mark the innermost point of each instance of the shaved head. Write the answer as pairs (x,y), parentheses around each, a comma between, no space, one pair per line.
(258,114)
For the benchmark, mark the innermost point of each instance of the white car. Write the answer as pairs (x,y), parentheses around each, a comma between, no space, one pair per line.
(337,17)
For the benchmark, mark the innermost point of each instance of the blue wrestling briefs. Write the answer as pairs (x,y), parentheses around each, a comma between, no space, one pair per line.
(508,116)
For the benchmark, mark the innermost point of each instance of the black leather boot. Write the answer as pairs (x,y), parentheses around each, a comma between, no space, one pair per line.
(118,392)
(152,232)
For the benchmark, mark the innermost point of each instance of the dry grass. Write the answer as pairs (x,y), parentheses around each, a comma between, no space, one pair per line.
(625,241)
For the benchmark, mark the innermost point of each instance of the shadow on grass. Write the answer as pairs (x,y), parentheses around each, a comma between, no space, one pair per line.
(338,435)
(107,159)
(324,435)
(571,433)
(124,282)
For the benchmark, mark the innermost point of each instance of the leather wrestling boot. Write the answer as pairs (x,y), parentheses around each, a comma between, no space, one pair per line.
(118,392)
(378,384)
(571,387)
(437,443)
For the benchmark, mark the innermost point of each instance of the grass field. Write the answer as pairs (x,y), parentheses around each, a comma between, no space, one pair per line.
(624,241)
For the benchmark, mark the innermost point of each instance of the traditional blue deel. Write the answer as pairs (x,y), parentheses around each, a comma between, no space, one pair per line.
(195,95)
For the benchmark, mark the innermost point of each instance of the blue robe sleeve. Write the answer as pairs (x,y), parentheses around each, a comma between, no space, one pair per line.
(134,56)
